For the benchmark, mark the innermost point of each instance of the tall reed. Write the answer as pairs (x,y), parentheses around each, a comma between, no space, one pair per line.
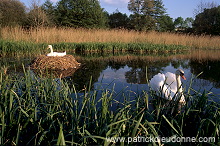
(56,35)
(46,111)
(17,48)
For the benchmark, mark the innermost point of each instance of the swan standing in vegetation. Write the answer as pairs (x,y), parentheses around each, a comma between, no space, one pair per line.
(169,84)
(54,53)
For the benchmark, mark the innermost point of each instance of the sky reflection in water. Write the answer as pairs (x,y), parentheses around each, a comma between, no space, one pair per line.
(127,72)
(132,78)
(118,77)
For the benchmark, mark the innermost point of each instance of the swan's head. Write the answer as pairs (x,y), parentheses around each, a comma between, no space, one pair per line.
(49,47)
(180,73)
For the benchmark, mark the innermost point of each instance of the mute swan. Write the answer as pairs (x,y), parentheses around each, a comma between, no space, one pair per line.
(169,84)
(54,53)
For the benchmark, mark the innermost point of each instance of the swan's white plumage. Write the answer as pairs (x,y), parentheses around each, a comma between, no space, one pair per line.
(171,81)
(157,84)
(157,81)
(55,53)
(167,85)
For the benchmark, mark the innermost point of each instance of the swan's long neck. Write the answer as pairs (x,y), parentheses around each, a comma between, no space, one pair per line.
(51,49)
(180,89)
(178,81)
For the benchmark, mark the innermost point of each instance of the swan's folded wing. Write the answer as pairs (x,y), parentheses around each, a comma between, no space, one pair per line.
(157,81)
(157,84)
(171,81)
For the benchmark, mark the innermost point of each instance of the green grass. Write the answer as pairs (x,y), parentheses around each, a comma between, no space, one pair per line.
(21,48)
(44,111)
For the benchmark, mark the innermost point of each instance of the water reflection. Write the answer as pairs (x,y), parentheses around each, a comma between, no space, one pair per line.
(55,73)
(210,69)
(128,71)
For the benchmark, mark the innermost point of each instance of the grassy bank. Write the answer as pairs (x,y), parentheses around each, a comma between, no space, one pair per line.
(69,35)
(44,111)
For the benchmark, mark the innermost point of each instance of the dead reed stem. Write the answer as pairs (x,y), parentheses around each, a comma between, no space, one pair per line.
(55,35)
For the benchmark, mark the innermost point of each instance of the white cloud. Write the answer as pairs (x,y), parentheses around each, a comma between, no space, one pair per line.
(111,5)
(54,1)
(115,2)
(125,1)
(108,1)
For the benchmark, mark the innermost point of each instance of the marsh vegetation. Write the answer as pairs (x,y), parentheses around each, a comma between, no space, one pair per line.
(70,35)
(86,106)
(45,110)
(60,111)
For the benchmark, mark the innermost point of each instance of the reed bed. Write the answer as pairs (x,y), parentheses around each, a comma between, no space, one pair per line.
(13,48)
(19,48)
(46,111)
(69,35)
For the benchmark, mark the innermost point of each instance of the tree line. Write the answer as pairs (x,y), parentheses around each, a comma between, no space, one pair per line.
(145,15)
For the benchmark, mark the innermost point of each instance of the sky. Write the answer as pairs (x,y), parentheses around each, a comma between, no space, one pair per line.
(174,8)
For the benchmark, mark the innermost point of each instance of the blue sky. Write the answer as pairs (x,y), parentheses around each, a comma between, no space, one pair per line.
(175,8)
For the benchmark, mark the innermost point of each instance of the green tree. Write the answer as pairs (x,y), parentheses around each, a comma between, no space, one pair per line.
(165,23)
(37,17)
(12,13)
(208,21)
(188,22)
(159,9)
(145,13)
(183,25)
(50,10)
(138,22)
(179,23)
(204,5)
(80,13)
(118,20)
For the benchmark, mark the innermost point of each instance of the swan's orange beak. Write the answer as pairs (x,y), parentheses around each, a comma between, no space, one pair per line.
(183,77)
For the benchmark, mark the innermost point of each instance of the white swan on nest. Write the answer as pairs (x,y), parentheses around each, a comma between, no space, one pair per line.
(52,53)
(169,84)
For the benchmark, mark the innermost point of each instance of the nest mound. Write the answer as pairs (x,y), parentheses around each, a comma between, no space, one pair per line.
(55,63)
(55,73)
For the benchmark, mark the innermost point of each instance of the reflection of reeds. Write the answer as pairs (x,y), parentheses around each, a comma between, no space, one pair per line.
(54,35)
(56,73)
(199,55)
(127,57)
(205,55)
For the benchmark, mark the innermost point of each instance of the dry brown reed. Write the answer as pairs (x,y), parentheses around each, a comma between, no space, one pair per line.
(56,35)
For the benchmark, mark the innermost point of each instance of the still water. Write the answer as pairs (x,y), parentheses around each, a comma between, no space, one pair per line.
(130,72)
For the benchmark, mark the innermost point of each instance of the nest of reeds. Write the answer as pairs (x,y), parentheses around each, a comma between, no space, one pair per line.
(55,63)
(55,73)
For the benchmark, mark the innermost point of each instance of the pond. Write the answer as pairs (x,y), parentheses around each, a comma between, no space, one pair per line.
(129,72)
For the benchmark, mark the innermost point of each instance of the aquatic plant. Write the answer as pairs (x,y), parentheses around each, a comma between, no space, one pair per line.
(14,48)
(35,110)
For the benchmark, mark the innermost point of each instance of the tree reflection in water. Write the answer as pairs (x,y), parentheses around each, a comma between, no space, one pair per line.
(133,67)
(103,68)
